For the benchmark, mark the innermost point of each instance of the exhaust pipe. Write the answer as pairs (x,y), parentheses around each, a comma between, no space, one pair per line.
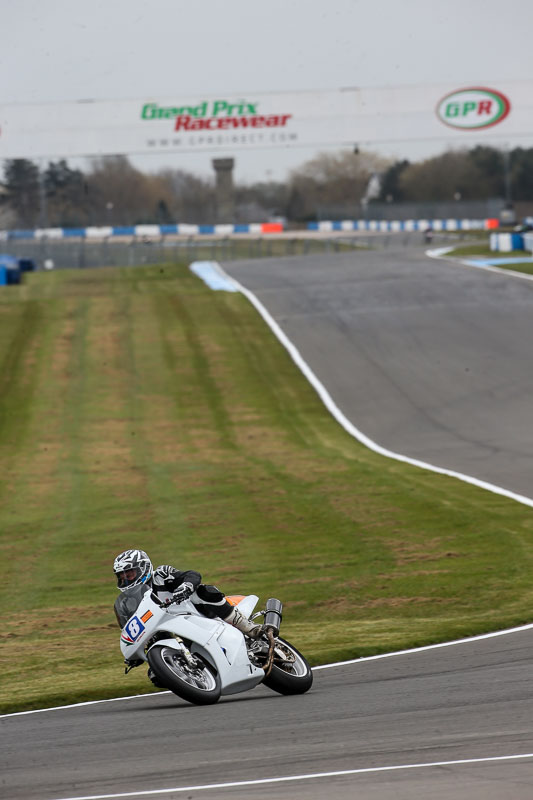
(273,614)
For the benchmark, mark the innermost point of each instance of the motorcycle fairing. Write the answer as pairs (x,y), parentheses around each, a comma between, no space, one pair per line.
(222,645)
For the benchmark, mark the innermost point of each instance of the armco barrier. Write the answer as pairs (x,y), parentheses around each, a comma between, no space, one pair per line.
(143,231)
(393,226)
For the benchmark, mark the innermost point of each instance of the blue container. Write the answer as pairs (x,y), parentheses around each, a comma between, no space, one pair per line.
(8,261)
(13,276)
(11,267)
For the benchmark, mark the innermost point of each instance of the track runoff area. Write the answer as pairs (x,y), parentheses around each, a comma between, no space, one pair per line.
(215,277)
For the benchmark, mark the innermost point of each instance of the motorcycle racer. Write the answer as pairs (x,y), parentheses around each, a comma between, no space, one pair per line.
(133,568)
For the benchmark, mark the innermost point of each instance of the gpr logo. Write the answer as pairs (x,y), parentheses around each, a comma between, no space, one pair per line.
(473,108)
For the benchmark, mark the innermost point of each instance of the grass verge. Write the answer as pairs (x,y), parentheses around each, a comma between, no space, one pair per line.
(483,251)
(138,408)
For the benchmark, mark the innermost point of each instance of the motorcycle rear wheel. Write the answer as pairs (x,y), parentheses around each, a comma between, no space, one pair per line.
(199,685)
(292,675)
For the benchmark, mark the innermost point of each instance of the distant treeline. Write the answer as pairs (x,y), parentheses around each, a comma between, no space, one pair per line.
(114,192)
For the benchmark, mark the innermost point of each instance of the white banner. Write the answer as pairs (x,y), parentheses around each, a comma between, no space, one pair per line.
(462,116)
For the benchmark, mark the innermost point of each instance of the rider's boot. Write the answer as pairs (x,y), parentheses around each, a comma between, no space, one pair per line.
(243,624)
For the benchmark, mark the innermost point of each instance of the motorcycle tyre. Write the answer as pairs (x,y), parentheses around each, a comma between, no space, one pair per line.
(285,682)
(180,687)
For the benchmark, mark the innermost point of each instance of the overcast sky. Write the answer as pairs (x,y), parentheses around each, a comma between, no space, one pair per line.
(60,50)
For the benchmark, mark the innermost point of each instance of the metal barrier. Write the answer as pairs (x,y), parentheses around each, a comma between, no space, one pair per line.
(82,253)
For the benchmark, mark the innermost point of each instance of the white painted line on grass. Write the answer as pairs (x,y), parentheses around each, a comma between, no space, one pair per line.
(309,777)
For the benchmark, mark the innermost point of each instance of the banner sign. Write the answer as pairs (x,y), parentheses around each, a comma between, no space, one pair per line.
(365,117)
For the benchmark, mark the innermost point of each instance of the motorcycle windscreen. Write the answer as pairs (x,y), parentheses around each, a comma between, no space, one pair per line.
(128,602)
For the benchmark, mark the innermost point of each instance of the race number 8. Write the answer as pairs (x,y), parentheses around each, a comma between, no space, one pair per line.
(134,628)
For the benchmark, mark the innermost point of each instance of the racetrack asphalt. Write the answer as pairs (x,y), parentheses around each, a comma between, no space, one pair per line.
(466,701)
(431,360)
(428,358)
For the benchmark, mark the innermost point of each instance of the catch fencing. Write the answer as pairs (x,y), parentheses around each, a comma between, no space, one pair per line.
(82,253)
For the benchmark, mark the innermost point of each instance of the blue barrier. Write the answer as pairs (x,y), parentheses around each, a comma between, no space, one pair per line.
(78,233)
(506,242)
(193,229)
(397,226)
(123,230)
(21,234)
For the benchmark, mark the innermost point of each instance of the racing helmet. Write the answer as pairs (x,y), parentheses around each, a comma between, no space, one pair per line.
(132,568)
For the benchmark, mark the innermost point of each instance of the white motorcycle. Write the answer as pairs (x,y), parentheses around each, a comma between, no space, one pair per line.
(199,658)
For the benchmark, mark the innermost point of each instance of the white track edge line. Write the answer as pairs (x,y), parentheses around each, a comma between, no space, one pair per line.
(308,777)
(84,703)
(442,253)
(454,642)
(345,422)
(362,660)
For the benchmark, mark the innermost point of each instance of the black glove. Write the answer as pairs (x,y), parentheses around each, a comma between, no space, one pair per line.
(183,592)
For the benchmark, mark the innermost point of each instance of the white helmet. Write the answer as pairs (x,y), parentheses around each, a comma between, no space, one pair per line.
(132,567)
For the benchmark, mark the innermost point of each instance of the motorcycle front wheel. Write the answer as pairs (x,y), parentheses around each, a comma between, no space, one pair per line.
(197,684)
(290,673)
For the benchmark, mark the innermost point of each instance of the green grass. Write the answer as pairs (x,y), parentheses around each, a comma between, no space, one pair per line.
(484,250)
(138,408)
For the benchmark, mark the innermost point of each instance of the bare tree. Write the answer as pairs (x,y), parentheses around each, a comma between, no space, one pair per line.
(332,181)
(119,194)
(260,201)
(453,174)
(192,197)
